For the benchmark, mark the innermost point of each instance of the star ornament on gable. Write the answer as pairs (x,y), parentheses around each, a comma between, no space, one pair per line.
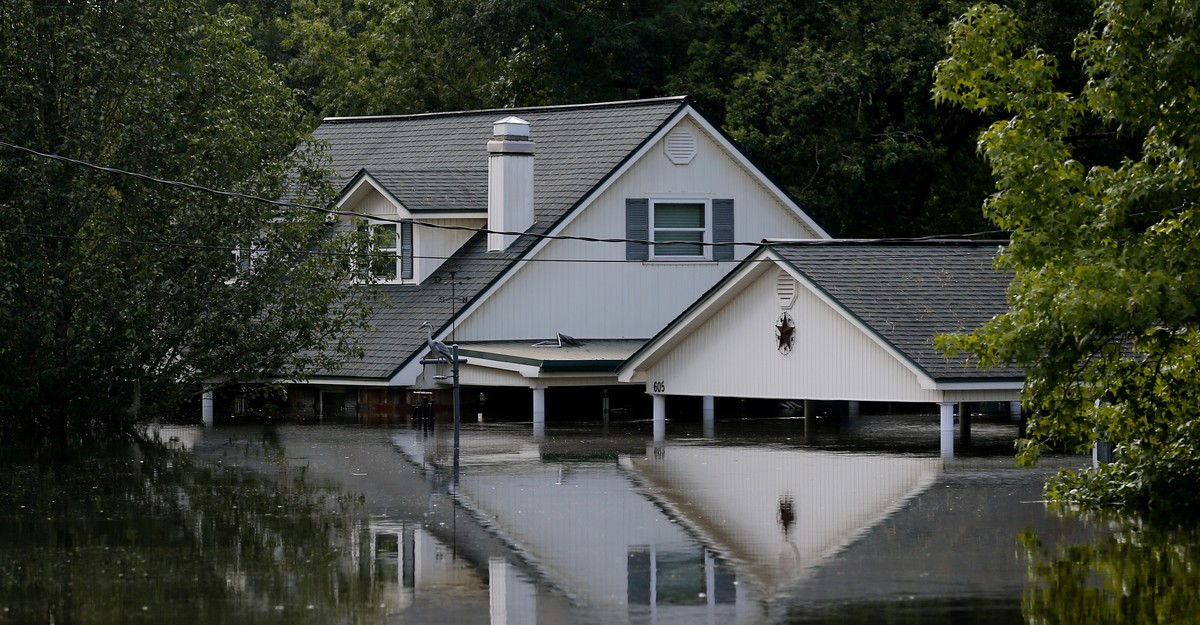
(785,333)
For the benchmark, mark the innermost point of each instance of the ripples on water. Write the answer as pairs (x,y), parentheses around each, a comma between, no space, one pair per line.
(855,521)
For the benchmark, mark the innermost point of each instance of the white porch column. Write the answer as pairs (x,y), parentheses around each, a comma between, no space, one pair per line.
(706,409)
(539,404)
(660,417)
(1014,411)
(206,408)
(947,428)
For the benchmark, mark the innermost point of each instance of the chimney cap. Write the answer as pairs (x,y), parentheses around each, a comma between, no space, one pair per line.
(511,126)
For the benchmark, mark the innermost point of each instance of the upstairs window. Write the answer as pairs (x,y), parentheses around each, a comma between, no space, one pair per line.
(391,256)
(679,229)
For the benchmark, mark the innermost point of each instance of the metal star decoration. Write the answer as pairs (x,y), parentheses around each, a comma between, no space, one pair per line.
(785,333)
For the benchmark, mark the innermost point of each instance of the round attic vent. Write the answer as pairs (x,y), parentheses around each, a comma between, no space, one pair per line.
(785,289)
(680,146)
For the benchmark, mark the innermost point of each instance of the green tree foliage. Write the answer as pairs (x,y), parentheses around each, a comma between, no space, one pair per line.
(117,292)
(114,533)
(358,57)
(1105,308)
(1137,573)
(833,99)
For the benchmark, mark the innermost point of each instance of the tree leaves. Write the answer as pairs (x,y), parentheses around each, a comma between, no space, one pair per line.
(1103,308)
(125,293)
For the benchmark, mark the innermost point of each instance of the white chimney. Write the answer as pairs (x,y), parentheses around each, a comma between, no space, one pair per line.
(510,181)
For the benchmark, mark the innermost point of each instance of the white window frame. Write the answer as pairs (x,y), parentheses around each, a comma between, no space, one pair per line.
(397,247)
(706,239)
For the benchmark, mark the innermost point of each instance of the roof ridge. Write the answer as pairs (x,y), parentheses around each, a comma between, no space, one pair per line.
(547,107)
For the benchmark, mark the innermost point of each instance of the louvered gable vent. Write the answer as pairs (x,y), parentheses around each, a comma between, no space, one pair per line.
(785,289)
(680,146)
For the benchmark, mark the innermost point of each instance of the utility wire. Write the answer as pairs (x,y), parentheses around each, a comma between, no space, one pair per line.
(383,219)
(311,252)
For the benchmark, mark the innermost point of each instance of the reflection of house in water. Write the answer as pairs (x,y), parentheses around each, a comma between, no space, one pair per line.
(776,514)
(682,533)
(406,559)
(590,532)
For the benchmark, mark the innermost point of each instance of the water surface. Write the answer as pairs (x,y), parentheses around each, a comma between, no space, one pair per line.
(752,521)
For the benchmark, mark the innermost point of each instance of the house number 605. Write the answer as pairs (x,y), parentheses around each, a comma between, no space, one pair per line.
(659,386)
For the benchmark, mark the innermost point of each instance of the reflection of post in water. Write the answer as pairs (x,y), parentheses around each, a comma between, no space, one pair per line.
(447,354)
(660,437)
(810,421)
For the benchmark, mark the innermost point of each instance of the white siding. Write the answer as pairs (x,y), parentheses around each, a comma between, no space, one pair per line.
(375,203)
(734,354)
(732,497)
(618,299)
(431,246)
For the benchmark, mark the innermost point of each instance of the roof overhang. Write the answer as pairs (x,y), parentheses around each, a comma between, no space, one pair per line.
(362,185)
(594,358)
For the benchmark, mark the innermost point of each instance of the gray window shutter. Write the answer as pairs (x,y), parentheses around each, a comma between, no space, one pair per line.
(637,226)
(406,250)
(722,229)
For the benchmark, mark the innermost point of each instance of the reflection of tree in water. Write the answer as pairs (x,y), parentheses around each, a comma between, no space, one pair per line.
(1140,573)
(110,534)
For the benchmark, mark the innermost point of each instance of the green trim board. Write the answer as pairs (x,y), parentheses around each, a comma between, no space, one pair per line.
(593,356)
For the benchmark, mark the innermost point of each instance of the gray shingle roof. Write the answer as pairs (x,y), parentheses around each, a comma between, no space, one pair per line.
(435,190)
(907,293)
(439,162)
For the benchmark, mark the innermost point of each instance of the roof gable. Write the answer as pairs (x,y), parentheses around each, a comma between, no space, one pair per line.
(909,293)
(577,148)
(902,294)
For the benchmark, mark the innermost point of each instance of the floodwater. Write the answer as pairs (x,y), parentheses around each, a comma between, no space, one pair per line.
(749,521)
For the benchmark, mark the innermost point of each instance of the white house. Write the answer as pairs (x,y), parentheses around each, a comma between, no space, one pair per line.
(836,320)
(512,228)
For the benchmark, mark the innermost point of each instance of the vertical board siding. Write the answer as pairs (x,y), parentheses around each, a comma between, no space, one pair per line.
(735,354)
(432,246)
(376,204)
(596,293)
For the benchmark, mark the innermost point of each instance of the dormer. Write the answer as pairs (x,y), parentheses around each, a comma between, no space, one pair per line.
(403,208)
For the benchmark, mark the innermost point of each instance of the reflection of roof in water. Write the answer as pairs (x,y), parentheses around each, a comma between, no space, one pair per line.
(777,514)
(957,539)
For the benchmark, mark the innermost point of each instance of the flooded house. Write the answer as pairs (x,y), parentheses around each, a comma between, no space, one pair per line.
(838,320)
(549,243)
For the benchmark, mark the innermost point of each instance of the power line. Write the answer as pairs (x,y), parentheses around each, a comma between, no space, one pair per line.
(383,219)
(306,252)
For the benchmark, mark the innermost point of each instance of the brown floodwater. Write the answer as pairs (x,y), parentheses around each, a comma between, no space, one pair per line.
(750,521)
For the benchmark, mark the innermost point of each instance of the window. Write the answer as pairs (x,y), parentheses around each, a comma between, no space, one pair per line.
(391,256)
(678,229)
(383,251)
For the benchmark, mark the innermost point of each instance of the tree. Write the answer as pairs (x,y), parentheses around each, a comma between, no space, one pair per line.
(832,98)
(119,293)
(1133,572)
(360,57)
(1105,246)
